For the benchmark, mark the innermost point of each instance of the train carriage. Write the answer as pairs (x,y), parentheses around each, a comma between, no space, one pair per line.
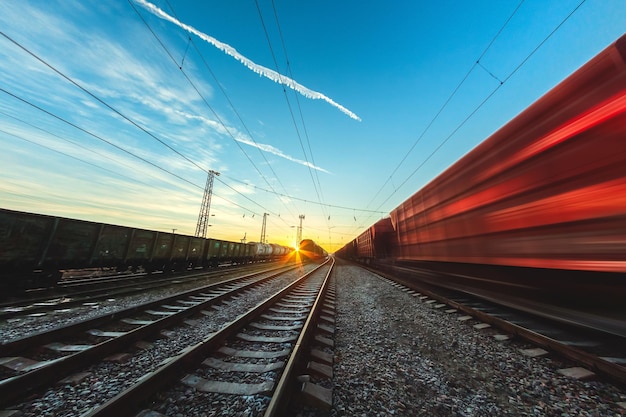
(140,248)
(239,253)
(214,247)
(310,250)
(23,238)
(36,250)
(196,252)
(375,242)
(554,175)
(71,245)
(539,207)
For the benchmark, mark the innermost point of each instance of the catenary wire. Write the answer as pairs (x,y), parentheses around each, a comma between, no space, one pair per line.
(219,119)
(293,119)
(118,113)
(501,83)
(445,104)
(290,73)
(488,97)
(122,149)
(235,111)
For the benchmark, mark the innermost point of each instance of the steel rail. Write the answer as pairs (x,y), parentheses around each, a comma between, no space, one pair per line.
(285,386)
(9,310)
(610,370)
(20,385)
(124,403)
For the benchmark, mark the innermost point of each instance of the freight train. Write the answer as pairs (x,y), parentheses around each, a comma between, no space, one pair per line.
(35,249)
(309,250)
(540,204)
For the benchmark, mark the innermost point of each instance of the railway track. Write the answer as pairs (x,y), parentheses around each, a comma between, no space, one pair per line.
(592,350)
(67,296)
(35,362)
(247,366)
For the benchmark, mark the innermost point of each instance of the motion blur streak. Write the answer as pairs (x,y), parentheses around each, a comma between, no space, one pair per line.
(546,191)
(613,107)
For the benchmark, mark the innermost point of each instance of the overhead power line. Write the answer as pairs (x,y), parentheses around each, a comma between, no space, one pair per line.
(50,66)
(486,98)
(234,109)
(204,100)
(316,185)
(98,137)
(445,104)
(471,114)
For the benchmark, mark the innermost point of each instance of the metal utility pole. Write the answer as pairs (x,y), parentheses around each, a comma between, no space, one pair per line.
(263,240)
(203,217)
(299,236)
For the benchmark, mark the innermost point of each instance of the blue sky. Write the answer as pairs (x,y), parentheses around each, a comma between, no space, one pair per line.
(99,122)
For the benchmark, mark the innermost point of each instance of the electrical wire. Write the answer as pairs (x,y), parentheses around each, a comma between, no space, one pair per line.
(99,138)
(306,133)
(218,118)
(110,107)
(302,199)
(41,60)
(501,83)
(488,97)
(78,145)
(316,186)
(116,173)
(445,104)
(233,108)
(124,150)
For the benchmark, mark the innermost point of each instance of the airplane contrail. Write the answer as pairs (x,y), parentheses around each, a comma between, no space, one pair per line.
(242,138)
(259,69)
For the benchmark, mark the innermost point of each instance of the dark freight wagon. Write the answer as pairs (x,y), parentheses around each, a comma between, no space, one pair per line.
(35,250)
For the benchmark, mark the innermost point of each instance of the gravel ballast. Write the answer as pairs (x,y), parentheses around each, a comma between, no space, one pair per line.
(395,355)
(398,356)
(106,379)
(28,324)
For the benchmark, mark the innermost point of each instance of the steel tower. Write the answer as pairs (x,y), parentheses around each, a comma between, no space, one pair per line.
(263,239)
(203,217)
(299,237)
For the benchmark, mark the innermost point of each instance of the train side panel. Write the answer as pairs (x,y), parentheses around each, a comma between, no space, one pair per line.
(23,239)
(72,244)
(111,246)
(140,248)
(548,190)
(196,252)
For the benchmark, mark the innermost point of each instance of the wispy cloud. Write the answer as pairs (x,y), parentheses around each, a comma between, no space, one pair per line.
(259,69)
(242,138)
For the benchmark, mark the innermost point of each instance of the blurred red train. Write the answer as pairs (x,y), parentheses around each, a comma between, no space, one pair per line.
(546,192)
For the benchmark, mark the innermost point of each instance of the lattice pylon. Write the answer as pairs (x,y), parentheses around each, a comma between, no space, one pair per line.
(263,228)
(299,237)
(203,217)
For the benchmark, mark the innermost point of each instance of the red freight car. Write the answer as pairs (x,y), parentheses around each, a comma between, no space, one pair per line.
(376,241)
(547,190)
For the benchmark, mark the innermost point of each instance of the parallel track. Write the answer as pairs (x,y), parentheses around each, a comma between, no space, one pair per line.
(124,329)
(595,349)
(288,318)
(67,296)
